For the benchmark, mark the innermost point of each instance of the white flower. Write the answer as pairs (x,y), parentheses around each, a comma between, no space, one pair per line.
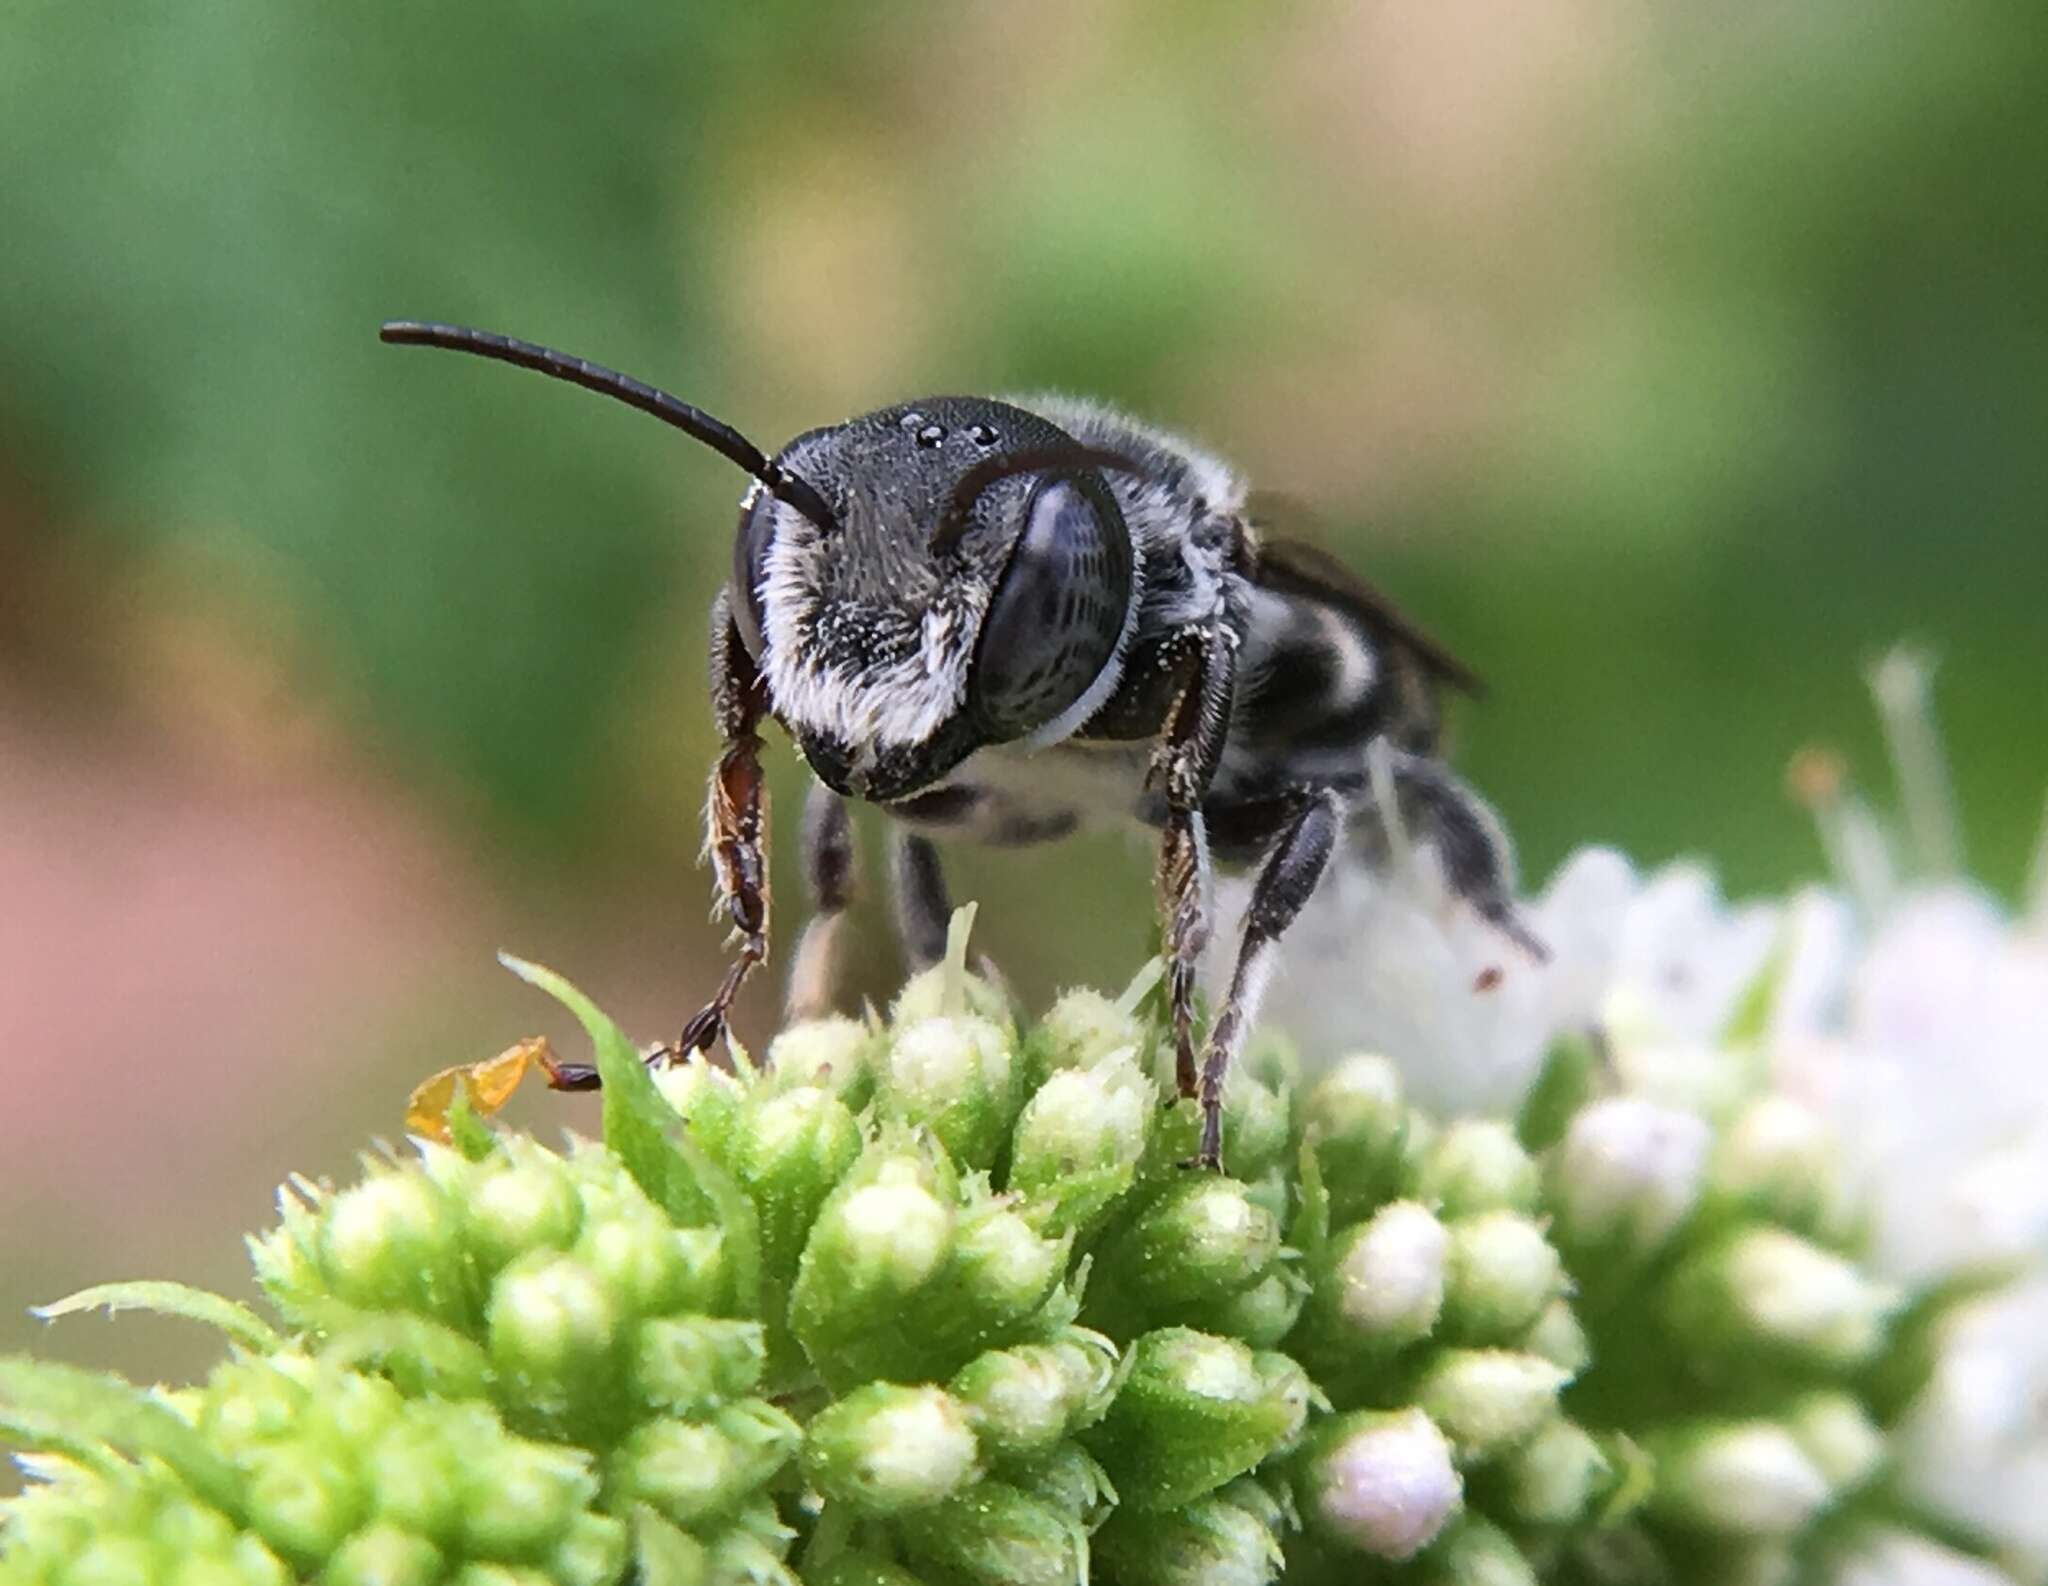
(1393,962)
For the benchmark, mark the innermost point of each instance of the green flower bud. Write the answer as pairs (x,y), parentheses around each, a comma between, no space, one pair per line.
(833,1053)
(686,1364)
(1201,1240)
(694,1472)
(303,1500)
(1080,1030)
(1488,1400)
(994,1535)
(1477,1553)
(383,1555)
(1560,1339)
(637,1261)
(1079,1141)
(521,1497)
(415,1471)
(1069,1478)
(1838,1435)
(1193,1412)
(593,1551)
(1262,1315)
(882,1235)
(1626,1174)
(1021,1401)
(998,1276)
(1256,1129)
(1501,1275)
(788,1150)
(1477,1165)
(1557,1478)
(945,990)
(955,1076)
(858,1569)
(394,1242)
(1383,1289)
(1362,1131)
(1776,1162)
(1381,1483)
(885,1449)
(522,1199)
(745,1558)
(1743,1478)
(1762,1289)
(1210,1542)
(553,1328)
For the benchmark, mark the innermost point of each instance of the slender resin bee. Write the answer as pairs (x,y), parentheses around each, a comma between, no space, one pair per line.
(1000,620)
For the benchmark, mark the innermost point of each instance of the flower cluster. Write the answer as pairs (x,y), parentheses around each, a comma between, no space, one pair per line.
(936,1299)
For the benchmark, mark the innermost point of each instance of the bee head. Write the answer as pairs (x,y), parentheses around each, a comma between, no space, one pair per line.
(914,584)
(974,587)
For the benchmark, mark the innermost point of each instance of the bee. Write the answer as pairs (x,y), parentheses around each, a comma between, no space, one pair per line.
(1001,620)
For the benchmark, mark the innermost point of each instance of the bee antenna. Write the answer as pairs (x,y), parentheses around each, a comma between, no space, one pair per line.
(692,421)
(1037,459)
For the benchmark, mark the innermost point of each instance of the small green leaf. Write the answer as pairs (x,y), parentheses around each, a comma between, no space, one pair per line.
(663,1553)
(638,1121)
(75,1405)
(1751,1018)
(240,1323)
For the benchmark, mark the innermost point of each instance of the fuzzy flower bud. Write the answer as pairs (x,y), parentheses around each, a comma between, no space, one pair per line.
(1764,1289)
(522,1200)
(1214,1541)
(1080,1030)
(1557,1477)
(1384,1288)
(880,1237)
(1193,1412)
(1079,1141)
(1361,1128)
(1777,1162)
(1627,1173)
(552,1327)
(688,1364)
(393,1242)
(955,1076)
(1477,1165)
(1746,1478)
(994,1534)
(832,1054)
(1488,1400)
(1477,1553)
(885,1449)
(696,1472)
(1501,1275)
(1838,1435)
(1381,1483)
(1020,1401)
(1204,1238)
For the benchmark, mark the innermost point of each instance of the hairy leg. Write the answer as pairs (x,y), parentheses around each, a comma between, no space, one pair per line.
(828,855)
(1286,881)
(1182,767)
(918,897)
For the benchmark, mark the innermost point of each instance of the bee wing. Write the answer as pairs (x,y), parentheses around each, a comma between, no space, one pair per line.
(1298,566)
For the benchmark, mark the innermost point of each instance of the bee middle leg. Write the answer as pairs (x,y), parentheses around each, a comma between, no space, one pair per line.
(828,859)
(919,901)
(1287,880)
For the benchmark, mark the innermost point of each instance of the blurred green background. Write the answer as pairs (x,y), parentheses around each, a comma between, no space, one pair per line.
(1668,361)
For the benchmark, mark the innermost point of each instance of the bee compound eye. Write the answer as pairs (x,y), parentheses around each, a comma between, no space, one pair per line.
(1053,623)
(750,568)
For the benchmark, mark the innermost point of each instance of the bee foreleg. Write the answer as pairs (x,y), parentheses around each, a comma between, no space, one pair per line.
(828,858)
(1182,767)
(1287,880)
(919,900)
(1435,808)
(736,818)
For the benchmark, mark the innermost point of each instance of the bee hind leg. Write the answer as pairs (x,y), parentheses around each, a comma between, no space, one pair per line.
(1432,806)
(1294,866)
